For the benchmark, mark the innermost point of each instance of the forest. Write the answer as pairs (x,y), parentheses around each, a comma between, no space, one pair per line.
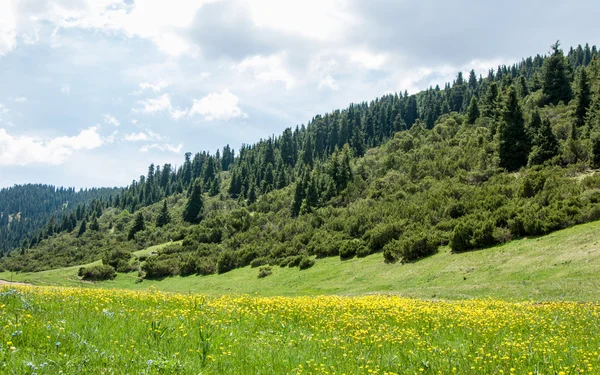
(477,162)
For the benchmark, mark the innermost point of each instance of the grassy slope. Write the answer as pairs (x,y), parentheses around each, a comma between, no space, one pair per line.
(562,265)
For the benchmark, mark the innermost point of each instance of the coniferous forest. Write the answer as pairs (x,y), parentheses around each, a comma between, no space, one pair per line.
(477,162)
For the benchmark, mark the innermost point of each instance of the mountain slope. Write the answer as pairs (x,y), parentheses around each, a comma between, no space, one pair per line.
(472,179)
(561,266)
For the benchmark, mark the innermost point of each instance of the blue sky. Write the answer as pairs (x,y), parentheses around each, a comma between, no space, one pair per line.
(93,91)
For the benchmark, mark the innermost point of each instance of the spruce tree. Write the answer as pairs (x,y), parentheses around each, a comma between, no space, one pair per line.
(163,217)
(195,204)
(545,144)
(556,86)
(82,228)
(298,197)
(514,143)
(94,225)
(583,98)
(138,225)
(473,111)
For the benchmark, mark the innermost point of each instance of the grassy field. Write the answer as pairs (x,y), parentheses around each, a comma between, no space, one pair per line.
(50,330)
(564,265)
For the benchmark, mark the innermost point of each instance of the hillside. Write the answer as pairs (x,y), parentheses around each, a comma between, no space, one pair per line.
(479,163)
(560,266)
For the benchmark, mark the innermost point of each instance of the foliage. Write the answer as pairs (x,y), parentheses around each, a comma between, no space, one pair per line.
(97,273)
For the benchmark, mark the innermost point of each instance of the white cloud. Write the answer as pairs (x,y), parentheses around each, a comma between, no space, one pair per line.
(217,106)
(8,26)
(142,136)
(20,99)
(3,108)
(322,20)
(134,121)
(163,147)
(110,119)
(155,87)
(65,89)
(329,83)
(136,137)
(25,150)
(366,59)
(268,69)
(160,104)
(111,138)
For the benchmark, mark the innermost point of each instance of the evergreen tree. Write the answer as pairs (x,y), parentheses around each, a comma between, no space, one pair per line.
(82,228)
(138,225)
(545,144)
(490,101)
(473,111)
(582,97)
(514,143)
(534,125)
(163,217)
(298,198)
(195,204)
(94,225)
(556,86)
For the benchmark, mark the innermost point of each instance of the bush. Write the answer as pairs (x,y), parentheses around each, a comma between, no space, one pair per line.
(97,273)
(112,258)
(351,248)
(188,266)
(306,262)
(207,267)
(411,247)
(461,238)
(226,262)
(264,272)
(157,268)
(379,236)
(259,262)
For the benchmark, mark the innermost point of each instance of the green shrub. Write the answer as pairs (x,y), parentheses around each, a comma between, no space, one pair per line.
(383,233)
(411,247)
(259,262)
(156,268)
(97,273)
(226,262)
(264,271)
(351,248)
(206,266)
(306,262)
(461,238)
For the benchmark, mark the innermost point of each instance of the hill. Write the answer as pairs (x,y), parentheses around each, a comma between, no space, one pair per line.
(478,163)
(560,266)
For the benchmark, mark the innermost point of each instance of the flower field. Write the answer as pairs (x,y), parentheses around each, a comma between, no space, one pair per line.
(90,331)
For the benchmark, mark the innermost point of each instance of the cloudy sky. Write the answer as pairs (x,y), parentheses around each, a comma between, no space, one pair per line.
(92,91)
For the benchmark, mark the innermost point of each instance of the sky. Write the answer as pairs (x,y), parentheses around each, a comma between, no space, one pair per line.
(93,91)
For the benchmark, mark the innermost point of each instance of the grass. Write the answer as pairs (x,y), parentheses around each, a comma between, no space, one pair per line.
(94,331)
(561,266)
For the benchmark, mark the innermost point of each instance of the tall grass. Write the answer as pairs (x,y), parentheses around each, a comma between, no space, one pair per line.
(92,331)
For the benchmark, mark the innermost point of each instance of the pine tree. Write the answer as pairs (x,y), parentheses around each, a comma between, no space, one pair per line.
(195,204)
(545,144)
(82,228)
(473,111)
(138,225)
(582,97)
(556,86)
(535,125)
(490,101)
(163,217)
(94,225)
(298,198)
(514,143)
